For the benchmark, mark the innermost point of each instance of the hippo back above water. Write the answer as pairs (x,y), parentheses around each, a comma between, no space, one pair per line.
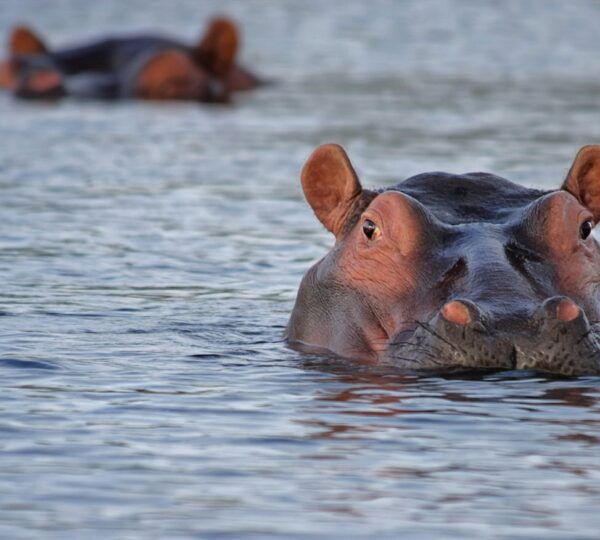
(454,271)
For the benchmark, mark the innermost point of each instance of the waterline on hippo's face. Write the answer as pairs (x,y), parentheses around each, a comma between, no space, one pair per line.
(450,272)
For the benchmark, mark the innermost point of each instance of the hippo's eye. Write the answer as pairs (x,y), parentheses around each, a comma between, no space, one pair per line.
(371,230)
(586,229)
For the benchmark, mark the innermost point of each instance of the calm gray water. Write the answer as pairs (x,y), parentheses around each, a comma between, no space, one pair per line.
(150,255)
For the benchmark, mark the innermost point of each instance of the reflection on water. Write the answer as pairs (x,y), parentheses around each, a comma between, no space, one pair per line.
(459,453)
(150,256)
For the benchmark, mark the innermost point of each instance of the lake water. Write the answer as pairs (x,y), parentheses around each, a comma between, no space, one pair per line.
(150,256)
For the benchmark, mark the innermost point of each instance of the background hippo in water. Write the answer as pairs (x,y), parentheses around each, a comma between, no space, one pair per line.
(144,67)
(454,271)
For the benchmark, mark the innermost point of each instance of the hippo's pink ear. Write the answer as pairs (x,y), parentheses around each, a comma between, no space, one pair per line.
(583,180)
(23,41)
(218,47)
(331,186)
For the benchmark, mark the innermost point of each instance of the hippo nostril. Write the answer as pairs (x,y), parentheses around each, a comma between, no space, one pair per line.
(567,310)
(456,312)
(561,308)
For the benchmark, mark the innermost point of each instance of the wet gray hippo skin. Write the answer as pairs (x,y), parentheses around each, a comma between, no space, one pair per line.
(454,271)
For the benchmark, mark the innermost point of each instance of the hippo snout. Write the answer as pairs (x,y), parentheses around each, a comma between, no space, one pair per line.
(565,342)
(556,338)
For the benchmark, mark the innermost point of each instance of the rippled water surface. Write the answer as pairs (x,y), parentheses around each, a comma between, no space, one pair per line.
(150,256)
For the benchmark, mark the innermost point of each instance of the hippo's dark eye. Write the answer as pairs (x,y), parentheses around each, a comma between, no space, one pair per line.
(586,229)
(371,230)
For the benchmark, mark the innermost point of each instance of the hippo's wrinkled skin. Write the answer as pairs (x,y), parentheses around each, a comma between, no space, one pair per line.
(454,271)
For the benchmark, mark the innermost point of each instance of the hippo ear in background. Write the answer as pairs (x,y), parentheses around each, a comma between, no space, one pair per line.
(24,41)
(331,186)
(583,180)
(218,47)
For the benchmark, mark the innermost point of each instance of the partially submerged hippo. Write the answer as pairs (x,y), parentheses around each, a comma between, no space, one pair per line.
(454,271)
(139,66)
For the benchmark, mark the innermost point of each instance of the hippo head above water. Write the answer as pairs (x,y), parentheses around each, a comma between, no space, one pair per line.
(454,271)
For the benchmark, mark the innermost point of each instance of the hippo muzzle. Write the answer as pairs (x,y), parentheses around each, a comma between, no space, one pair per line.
(558,338)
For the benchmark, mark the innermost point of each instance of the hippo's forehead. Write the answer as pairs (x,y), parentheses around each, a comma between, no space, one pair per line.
(468,198)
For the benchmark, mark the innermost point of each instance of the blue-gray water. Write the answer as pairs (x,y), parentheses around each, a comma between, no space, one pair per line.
(149,258)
